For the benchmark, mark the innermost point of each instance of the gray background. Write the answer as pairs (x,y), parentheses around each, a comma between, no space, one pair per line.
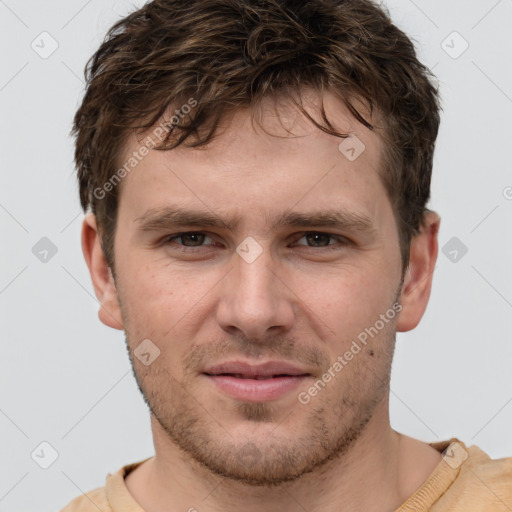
(66,378)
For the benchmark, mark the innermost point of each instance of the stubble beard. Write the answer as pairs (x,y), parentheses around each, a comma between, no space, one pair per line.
(327,427)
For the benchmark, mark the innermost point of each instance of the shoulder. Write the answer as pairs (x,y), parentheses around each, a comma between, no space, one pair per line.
(493,474)
(113,497)
(91,501)
(482,485)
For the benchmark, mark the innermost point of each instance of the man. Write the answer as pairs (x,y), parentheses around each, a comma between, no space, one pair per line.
(258,174)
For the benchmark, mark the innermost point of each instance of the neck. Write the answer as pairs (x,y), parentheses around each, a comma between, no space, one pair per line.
(389,464)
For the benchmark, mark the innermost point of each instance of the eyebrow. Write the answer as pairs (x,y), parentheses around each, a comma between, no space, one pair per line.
(169,217)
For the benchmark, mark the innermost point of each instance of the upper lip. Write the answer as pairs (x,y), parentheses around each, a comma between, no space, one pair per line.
(249,370)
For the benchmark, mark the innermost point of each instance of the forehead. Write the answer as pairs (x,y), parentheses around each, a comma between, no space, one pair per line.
(268,159)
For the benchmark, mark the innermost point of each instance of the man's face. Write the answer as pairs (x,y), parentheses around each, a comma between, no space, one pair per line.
(295,292)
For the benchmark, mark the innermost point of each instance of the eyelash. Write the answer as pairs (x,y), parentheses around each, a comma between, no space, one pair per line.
(168,240)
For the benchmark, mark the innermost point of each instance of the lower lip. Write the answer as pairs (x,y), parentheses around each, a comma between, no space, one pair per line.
(252,390)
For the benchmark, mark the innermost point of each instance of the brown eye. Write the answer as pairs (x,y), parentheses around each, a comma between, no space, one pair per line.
(318,239)
(192,239)
(188,239)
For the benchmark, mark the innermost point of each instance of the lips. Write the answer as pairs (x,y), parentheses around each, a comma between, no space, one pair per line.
(243,370)
(254,377)
(256,382)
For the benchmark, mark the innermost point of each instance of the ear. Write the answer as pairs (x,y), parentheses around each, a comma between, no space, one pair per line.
(418,276)
(101,275)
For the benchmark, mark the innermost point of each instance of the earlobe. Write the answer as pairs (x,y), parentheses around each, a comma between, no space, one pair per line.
(418,276)
(101,275)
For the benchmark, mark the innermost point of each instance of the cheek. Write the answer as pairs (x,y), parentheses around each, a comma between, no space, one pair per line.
(161,301)
(348,301)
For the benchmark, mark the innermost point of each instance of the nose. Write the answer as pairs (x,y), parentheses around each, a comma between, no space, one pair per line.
(255,299)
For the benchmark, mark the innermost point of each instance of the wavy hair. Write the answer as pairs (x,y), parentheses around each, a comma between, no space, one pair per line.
(229,54)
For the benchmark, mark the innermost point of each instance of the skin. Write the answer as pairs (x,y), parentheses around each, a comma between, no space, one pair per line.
(303,300)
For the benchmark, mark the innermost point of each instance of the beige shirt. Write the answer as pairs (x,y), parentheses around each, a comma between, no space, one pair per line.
(465,480)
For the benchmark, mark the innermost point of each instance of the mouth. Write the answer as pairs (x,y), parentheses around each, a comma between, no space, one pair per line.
(254,377)
(256,382)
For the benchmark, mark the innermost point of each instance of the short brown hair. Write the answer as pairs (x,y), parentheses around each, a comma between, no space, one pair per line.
(229,54)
